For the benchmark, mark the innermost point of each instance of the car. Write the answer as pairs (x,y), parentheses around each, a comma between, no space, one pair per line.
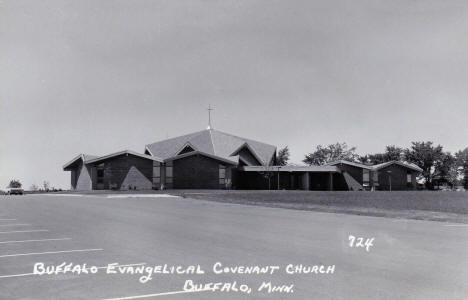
(14,191)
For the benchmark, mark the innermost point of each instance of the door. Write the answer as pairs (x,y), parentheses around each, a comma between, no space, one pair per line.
(100,178)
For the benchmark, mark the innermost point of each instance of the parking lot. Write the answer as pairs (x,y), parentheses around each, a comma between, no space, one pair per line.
(409,259)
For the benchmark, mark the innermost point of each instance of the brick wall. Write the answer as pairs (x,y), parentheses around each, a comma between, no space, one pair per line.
(355,172)
(125,171)
(252,181)
(398,176)
(196,172)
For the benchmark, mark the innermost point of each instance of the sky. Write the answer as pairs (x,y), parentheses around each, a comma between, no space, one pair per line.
(98,77)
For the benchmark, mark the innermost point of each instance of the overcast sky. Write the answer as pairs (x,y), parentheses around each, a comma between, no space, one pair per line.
(103,76)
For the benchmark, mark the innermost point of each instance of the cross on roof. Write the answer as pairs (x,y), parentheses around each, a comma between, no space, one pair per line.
(209,116)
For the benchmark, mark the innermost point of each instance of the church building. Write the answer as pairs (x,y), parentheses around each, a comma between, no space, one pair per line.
(212,159)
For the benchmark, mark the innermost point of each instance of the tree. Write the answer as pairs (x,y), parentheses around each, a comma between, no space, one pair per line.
(447,169)
(14,183)
(427,157)
(33,187)
(465,175)
(391,153)
(373,159)
(323,155)
(268,174)
(46,185)
(283,156)
(462,164)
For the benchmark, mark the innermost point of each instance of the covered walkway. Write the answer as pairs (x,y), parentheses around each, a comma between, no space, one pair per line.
(319,178)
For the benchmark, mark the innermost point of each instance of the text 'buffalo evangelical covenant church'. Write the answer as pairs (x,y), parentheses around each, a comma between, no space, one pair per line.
(211,159)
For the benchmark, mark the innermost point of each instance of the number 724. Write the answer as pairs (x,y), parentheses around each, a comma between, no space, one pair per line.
(357,242)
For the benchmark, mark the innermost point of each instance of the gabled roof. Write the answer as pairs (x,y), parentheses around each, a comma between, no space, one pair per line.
(187,145)
(212,142)
(232,162)
(351,163)
(84,158)
(378,166)
(246,146)
(97,159)
(401,163)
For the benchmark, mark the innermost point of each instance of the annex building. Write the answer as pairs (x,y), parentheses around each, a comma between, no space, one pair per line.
(212,159)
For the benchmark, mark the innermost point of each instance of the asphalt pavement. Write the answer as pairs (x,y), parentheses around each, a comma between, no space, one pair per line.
(404,259)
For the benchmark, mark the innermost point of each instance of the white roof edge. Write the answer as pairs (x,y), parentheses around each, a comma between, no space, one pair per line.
(183,147)
(246,144)
(244,161)
(351,163)
(401,163)
(124,152)
(273,155)
(201,153)
(147,149)
(242,138)
(211,139)
(73,160)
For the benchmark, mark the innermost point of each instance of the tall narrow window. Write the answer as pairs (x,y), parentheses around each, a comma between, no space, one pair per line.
(169,174)
(375,177)
(409,178)
(222,174)
(365,177)
(168,171)
(156,175)
(100,176)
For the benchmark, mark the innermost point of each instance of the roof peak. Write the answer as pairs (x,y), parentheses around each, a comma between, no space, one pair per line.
(213,142)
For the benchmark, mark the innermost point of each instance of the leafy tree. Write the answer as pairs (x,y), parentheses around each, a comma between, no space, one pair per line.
(391,153)
(33,187)
(14,183)
(323,155)
(373,159)
(428,157)
(462,163)
(465,175)
(268,174)
(447,169)
(46,185)
(283,156)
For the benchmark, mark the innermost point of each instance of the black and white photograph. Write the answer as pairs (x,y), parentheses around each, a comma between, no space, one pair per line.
(233,149)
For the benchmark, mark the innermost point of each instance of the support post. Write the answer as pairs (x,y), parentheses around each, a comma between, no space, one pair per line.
(278,178)
(306,181)
(330,182)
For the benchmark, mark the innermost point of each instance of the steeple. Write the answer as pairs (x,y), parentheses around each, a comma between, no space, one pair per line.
(209,117)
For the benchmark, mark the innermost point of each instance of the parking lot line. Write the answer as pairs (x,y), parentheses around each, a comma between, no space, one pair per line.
(50,252)
(30,274)
(143,196)
(38,230)
(155,295)
(26,241)
(15,224)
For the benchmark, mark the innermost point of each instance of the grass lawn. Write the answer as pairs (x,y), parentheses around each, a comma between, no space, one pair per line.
(425,205)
